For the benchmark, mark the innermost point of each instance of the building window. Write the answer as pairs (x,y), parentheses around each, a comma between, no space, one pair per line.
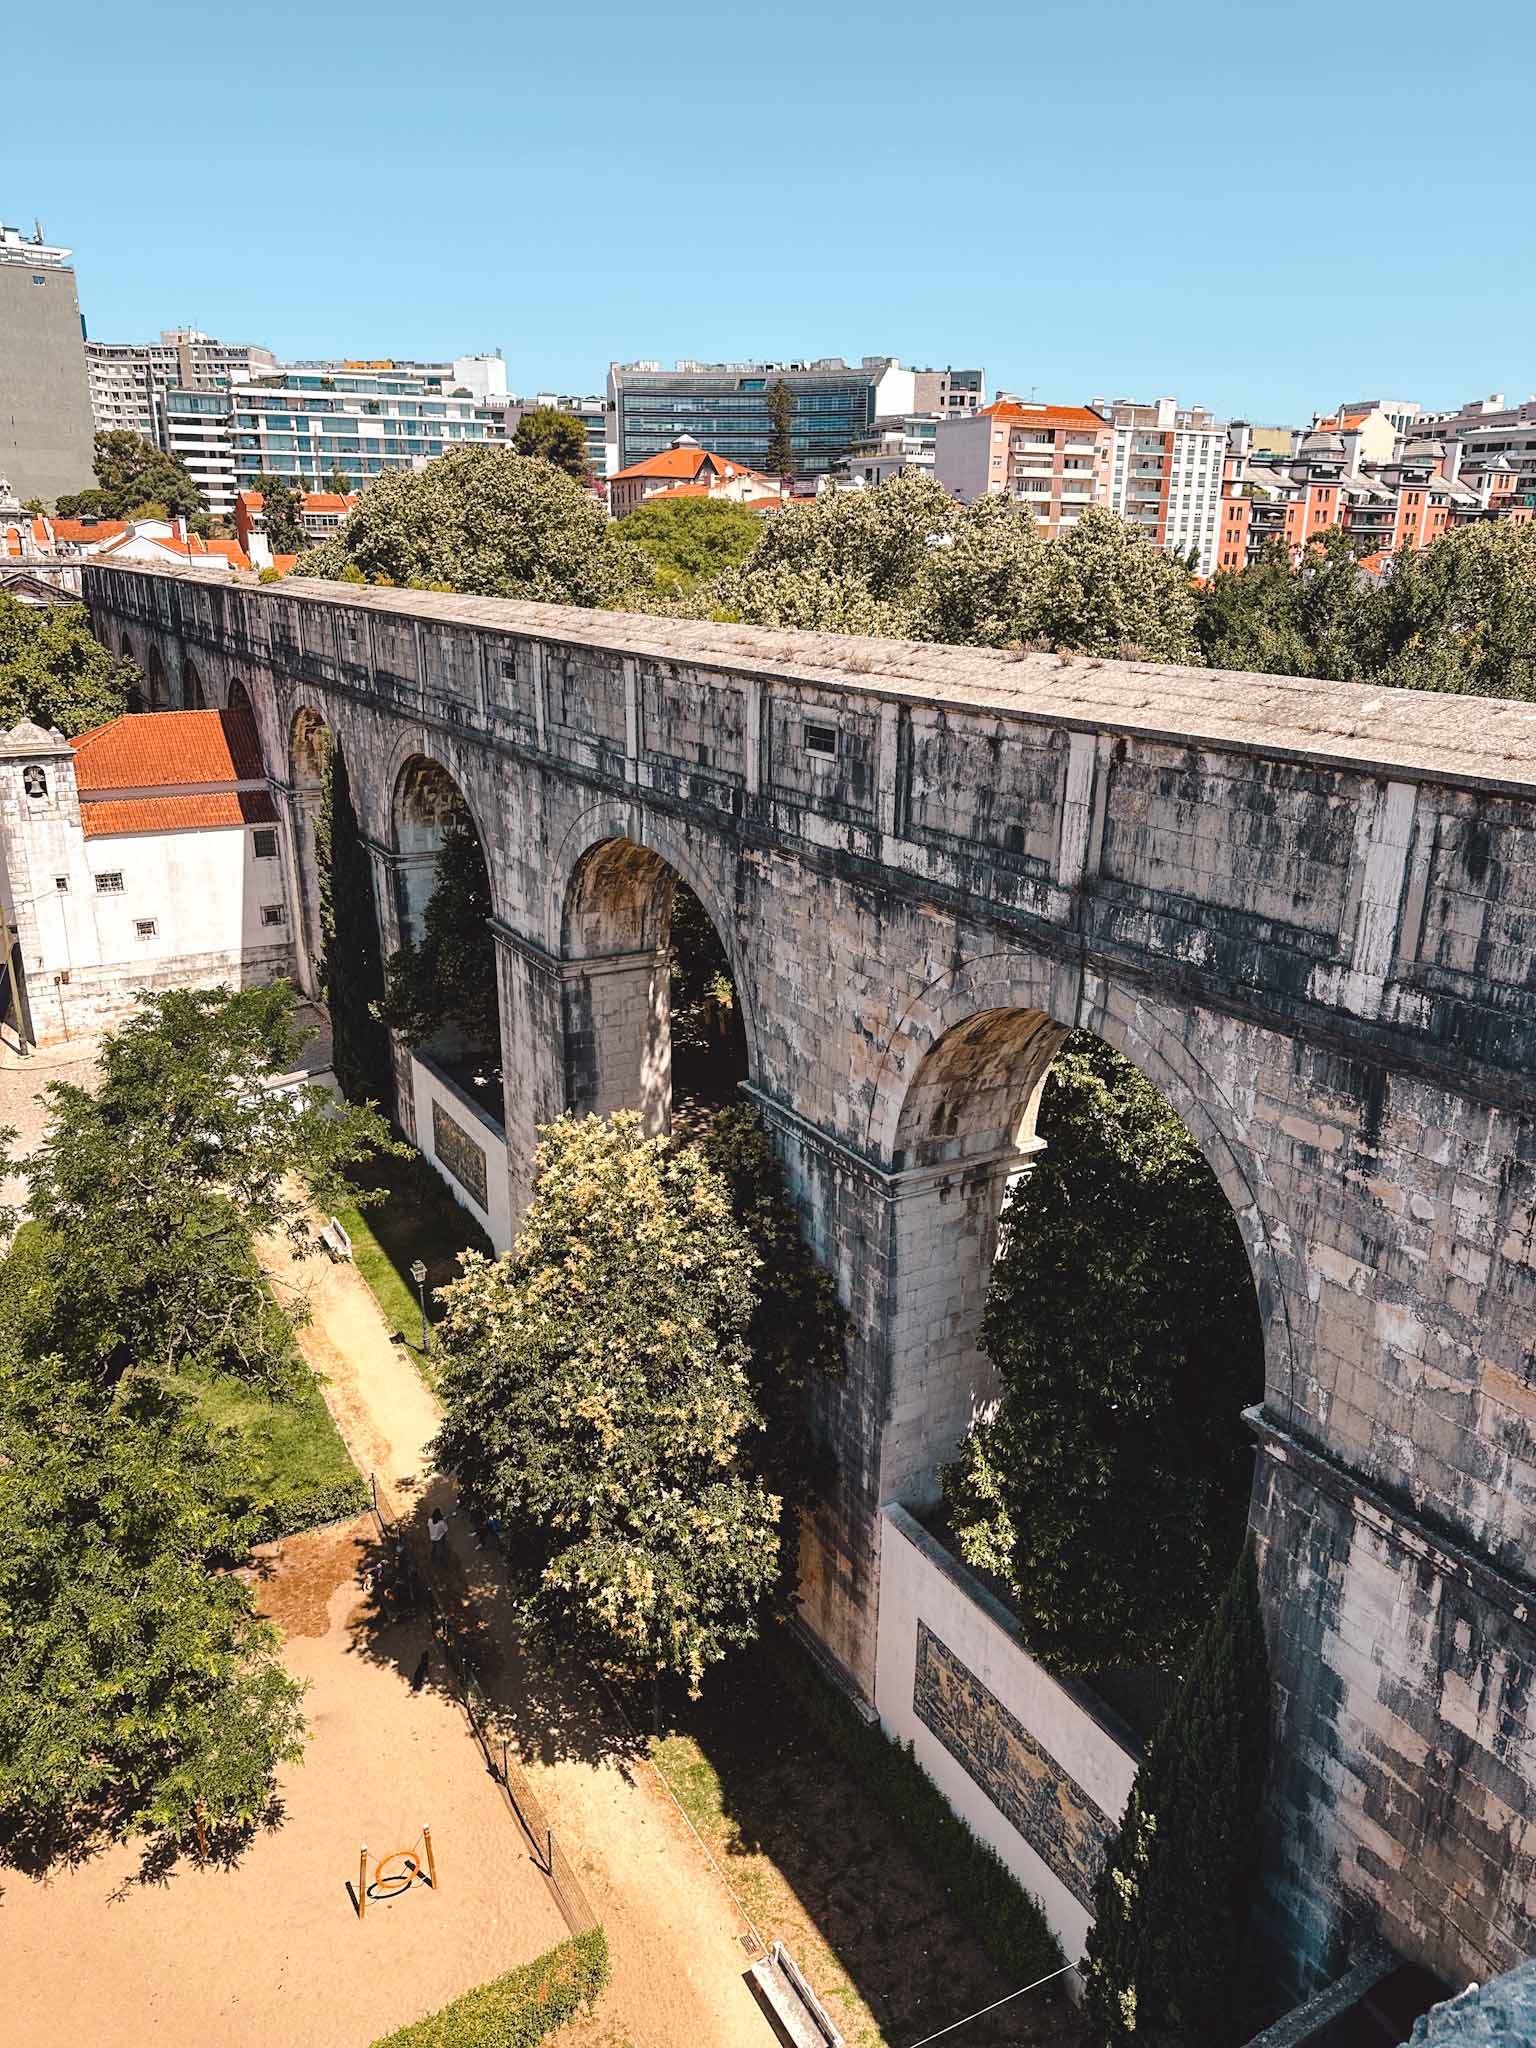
(274,913)
(110,883)
(821,739)
(265,845)
(144,927)
(61,883)
(34,780)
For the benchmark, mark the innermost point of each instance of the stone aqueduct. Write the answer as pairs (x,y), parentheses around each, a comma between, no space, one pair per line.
(1306,911)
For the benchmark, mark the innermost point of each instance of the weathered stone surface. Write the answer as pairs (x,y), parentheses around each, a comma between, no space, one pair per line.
(1497,2015)
(1306,911)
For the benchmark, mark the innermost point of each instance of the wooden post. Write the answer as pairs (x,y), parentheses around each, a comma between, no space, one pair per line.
(362,1881)
(426,1836)
(202,1838)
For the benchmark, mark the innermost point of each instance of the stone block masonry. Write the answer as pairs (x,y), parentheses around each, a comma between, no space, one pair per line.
(1306,911)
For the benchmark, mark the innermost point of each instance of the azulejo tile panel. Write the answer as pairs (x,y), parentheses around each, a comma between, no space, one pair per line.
(1053,1813)
(457,1150)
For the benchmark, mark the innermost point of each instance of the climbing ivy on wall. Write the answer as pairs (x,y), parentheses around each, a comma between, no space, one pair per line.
(353,974)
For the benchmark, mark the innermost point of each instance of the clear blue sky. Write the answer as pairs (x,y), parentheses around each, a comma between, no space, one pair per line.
(1263,208)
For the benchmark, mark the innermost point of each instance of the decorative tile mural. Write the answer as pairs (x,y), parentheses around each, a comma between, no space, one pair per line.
(457,1150)
(1028,1787)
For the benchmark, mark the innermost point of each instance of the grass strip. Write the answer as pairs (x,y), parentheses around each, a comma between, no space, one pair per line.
(417,1219)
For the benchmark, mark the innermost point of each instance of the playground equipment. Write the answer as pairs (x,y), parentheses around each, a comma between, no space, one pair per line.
(396,1872)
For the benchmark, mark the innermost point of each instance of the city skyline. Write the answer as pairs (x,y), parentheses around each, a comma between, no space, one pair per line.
(1079,213)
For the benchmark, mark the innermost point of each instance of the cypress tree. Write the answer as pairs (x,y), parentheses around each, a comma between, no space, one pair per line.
(354,966)
(1166,1957)
(781,411)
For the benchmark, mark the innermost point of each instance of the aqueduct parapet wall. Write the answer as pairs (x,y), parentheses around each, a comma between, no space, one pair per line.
(1306,911)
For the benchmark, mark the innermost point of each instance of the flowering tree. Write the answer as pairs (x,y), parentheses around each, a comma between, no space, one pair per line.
(599,1405)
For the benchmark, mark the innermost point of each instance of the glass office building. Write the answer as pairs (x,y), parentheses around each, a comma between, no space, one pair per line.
(724,407)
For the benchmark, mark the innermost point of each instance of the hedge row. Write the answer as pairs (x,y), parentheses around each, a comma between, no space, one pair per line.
(519,2009)
(336,1501)
(1009,1921)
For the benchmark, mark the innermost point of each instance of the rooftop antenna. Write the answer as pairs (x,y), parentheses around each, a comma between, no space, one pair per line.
(37,230)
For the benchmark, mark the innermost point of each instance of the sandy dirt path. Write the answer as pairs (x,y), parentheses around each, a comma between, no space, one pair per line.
(674,1934)
(270,1949)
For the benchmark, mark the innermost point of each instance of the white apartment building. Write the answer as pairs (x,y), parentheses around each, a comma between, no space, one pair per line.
(1166,473)
(129,379)
(195,427)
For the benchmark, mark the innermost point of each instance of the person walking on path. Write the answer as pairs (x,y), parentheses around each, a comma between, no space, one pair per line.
(437,1531)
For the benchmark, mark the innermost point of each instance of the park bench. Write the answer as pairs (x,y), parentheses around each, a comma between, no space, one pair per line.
(336,1240)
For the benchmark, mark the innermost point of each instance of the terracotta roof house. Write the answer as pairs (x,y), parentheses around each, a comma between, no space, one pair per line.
(146,853)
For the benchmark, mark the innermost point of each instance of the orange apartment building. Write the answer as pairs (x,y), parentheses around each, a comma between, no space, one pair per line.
(1385,507)
(1052,459)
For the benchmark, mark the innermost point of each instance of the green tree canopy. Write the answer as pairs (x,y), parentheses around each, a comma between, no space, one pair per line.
(151,1185)
(449,979)
(1316,616)
(92,504)
(1461,615)
(484,520)
(131,471)
(137,1685)
(1109,1491)
(688,539)
(554,436)
(598,1402)
(55,671)
(1111,591)
(1168,1952)
(282,513)
(337,480)
(904,559)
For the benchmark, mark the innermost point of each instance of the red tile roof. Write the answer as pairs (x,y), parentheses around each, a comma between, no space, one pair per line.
(116,815)
(164,749)
(1043,415)
(80,530)
(313,501)
(682,463)
(193,548)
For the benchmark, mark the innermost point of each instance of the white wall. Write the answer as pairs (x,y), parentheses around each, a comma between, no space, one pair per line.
(921,1583)
(962,451)
(429,1085)
(204,890)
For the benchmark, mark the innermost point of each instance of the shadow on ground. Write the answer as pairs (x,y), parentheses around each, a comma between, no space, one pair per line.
(820,1867)
(453,1630)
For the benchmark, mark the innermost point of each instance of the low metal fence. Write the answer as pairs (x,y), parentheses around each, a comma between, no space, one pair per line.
(481,1712)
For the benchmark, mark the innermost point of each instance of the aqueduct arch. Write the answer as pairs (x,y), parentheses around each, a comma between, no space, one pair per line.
(1306,912)
(615,934)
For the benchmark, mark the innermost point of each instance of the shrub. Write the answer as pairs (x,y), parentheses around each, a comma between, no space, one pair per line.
(520,2008)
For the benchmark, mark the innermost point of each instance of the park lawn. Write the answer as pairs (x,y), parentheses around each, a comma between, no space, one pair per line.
(417,1219)
(295,1447)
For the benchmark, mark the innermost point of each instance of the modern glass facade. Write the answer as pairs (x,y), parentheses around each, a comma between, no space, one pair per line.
(726,411)
(305,425)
